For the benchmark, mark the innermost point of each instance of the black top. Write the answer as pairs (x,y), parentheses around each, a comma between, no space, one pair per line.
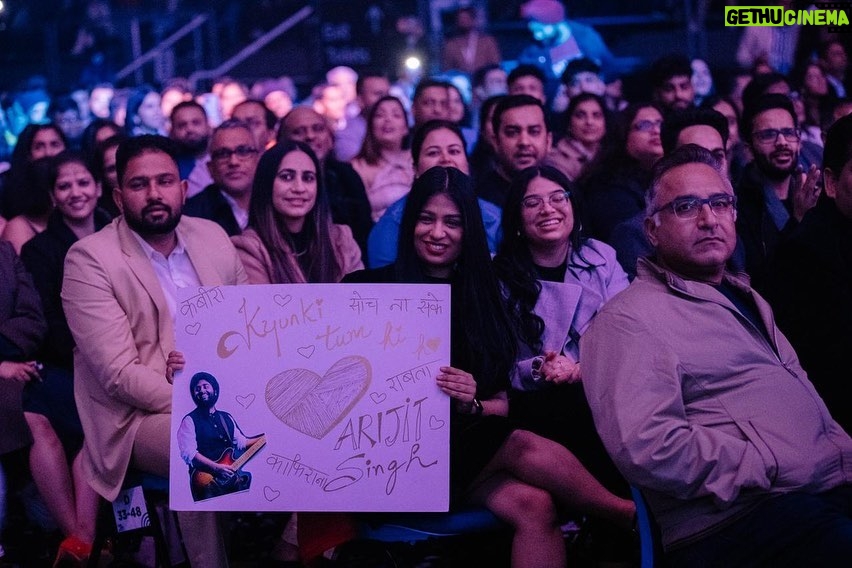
(348,201)
(44,257)
(492,186)
(756,228)
(552,273)
(211,204)
(614,196)
(810,289)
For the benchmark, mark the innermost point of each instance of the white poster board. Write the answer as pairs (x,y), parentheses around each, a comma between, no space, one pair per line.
(339,381)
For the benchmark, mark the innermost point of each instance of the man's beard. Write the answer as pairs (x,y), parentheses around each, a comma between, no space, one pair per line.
(773,172)
(206,404)
(146,227)
(195,147)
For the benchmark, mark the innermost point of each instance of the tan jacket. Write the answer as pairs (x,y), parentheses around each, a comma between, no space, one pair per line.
(258,263)
(702,410)
(123,329)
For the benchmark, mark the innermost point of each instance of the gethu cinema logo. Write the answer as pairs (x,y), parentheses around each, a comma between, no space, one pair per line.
(778,16)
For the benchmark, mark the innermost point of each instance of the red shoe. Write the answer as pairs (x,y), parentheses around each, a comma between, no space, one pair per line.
(72,552)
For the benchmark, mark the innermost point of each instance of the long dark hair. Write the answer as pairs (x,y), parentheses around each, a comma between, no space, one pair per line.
(582,98)
(484,342)
(134,101)
(514,264)
(615,156)
(24,147)
(370,151)
(23,193)
(322,264)
(88,141)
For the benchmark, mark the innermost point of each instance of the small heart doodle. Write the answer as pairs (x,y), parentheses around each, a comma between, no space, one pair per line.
(378,397)
(435,423)
(307,351)
(314,404)
(193,329)
(271,494)
(433,343)
(245,401)
(282,300)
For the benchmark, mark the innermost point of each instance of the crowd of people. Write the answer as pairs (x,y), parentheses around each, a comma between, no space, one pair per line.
(653,293)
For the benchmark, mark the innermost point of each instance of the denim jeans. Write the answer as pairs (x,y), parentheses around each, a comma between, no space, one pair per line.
(793,529)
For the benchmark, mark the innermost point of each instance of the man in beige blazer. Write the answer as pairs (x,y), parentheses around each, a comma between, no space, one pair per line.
(119,297)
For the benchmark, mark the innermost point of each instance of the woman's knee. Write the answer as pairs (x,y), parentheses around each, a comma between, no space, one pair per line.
(524,442)
(526,504)
(41,429)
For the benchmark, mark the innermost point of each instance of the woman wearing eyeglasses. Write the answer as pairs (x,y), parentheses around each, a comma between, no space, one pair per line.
(615,186)
(555,280)
(523,478)
(291,238)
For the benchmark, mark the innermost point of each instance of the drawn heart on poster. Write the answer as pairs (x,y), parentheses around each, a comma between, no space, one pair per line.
(378,397)
(307,351)
(282,300)
(271,494)
(245,401)
(194,328)
(314,404)
(435,423)
(433,343)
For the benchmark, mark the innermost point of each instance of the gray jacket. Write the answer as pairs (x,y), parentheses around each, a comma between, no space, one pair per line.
(699,409)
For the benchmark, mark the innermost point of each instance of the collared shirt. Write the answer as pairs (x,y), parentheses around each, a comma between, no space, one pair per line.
(173,272)
(199,177)
(241,216)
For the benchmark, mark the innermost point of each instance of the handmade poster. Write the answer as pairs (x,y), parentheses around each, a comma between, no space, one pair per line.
(311,397)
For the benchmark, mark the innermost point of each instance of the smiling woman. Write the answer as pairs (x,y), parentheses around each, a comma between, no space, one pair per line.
(555,281)
(291,237)
(521,477)
(49,403)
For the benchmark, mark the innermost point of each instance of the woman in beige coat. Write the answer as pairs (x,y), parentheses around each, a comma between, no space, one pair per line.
(291,238)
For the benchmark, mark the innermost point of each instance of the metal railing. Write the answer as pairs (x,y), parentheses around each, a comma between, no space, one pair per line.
(250,49)
(161,51)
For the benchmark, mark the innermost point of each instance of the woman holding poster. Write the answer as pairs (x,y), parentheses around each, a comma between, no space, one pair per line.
(291,238)
(521,477)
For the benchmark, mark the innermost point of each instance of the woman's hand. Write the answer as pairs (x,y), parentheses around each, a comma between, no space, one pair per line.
(174,363)
(459,385)
(560,369)
(20,372)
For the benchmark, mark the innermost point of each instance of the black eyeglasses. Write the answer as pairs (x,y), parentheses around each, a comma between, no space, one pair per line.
(689,207)
(224,154)
(555,199)
(769,135)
